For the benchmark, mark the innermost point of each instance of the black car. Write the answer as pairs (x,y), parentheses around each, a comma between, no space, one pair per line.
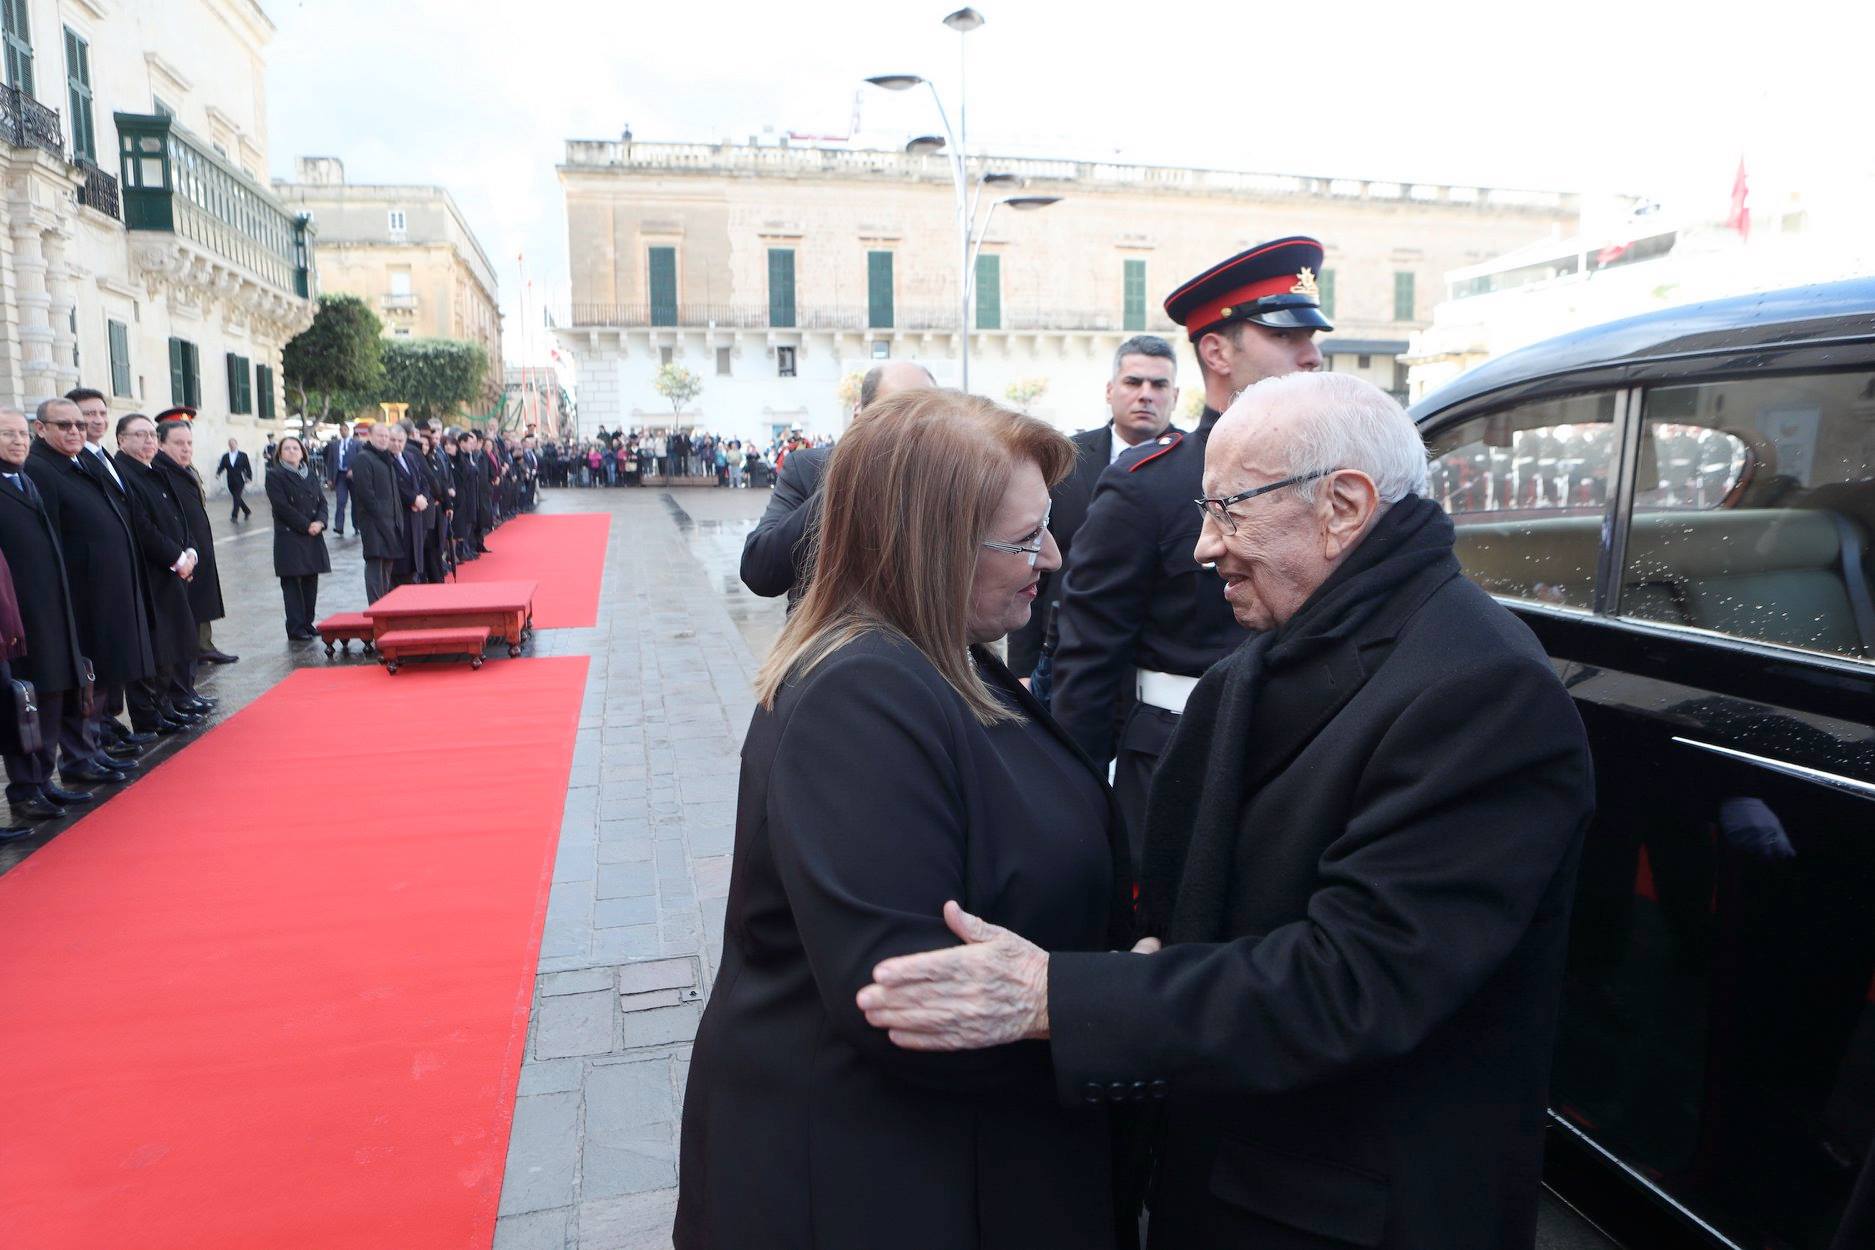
(1681,506)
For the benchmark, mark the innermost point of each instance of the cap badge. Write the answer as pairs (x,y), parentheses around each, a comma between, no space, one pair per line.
(1225,311)
(1305,283)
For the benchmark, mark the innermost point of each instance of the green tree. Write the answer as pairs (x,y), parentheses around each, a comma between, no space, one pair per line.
(336,362)
(678,385)
(436,377)
(1026,391)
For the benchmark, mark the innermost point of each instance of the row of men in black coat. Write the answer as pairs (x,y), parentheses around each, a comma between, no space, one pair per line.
(113,563)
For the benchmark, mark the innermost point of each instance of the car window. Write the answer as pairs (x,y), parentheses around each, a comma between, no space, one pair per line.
(1526,488)
(1754,507)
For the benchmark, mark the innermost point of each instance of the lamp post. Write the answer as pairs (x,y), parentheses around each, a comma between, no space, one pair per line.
(970,234)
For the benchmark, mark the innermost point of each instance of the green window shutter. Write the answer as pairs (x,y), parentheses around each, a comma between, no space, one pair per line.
(263,382)
(989,291)
(1403,302)
(879,290)
(1135,308)
(78,91)
(1326,284)
(192,374)
(781,286)
(19,44)
(178,373)
(663,261)
(234,383)
(119,335)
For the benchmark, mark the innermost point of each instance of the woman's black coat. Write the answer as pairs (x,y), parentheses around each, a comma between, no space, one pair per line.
(102,566)
(205,586)
(870,795)
(162,533)
(297,502)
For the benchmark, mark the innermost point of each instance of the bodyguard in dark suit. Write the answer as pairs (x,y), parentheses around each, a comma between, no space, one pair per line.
(440,483)
(417,503)
(468,479)
(239,471)
(299,545)
(52,656)
(1139,620)
(175,459)
(377,511)
(1140,397)
(774,556)
(168,562)
(104,569)
(1361,850)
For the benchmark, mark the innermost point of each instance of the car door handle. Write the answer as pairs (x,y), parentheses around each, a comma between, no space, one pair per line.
(1835,781)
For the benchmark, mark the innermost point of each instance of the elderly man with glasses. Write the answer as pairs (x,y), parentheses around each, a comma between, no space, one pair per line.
(1360,851)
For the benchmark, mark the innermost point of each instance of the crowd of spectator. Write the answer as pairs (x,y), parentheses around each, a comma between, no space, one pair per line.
(667,457)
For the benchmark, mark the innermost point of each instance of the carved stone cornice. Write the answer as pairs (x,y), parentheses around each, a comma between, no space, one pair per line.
(194,279)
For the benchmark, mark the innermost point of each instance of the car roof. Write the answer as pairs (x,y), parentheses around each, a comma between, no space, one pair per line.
(1826,310)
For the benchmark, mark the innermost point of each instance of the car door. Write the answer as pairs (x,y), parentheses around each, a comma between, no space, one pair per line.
(1711,616)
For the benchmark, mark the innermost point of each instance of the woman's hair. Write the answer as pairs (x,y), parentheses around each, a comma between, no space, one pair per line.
(293,439)
(909,494)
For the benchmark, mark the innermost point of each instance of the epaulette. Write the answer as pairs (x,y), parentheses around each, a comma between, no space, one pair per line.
(1166,443)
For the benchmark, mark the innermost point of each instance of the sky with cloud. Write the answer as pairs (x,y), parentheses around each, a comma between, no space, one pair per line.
(1659,99)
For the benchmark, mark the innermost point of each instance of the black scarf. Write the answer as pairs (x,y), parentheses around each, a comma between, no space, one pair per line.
(1197,793)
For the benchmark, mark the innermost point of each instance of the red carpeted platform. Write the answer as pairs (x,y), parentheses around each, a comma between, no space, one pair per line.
(565,554)
(275,994)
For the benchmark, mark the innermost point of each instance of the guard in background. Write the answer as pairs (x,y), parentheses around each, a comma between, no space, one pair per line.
(1140,621)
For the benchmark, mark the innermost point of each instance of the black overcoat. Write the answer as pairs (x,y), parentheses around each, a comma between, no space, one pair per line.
(1364,1060)
(30,539)
(468,479)
(205,586)
(162,533)
(297,502)
(377,510)
(775,554)
(1067,509)
(490,472)
(804,1127)
(103,566)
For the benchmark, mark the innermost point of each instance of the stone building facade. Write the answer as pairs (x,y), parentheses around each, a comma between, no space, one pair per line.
(407,251)
(777,272)
(141,253)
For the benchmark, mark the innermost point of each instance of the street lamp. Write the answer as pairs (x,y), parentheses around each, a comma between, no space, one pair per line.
(969,198)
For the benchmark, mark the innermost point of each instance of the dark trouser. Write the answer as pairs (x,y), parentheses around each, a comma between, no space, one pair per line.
(150,700)
(377,580)
(342,488)
(240,504)
(1142,741)
(77,733)
(301,595)
(26,773)
(181,682)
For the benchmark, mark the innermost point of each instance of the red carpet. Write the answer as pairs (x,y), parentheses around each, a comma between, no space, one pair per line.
(274,995)
(565,554)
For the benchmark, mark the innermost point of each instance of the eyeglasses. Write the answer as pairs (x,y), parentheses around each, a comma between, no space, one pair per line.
(1032,548)
(63,425)
(1218,510)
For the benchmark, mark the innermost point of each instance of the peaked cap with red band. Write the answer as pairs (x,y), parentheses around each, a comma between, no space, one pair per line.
(1272,284)
(181,412)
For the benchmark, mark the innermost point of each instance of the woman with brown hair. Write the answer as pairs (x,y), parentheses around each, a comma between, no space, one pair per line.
(894,764)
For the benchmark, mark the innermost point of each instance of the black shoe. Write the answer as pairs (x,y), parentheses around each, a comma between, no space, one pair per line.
(198,703)
(169,726)
(59,796)
(36,809)
(89,774)
(15,832)
(302,635)
(215,656)
(120,763)
(138,739)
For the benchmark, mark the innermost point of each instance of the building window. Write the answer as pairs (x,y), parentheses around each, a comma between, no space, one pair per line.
(1135,308)
(784,362)
(160,108)
(263,387)
(1403,301)
(781,286)
(722,362)
(78,93)
(19,44)
(882,349)
(1326,286)
(879,290)
(665,356)
(1363,361)
(663,285)
(401,332)
(117,334)
(400,283)
(989,286)
(185,374)
(398,223)
(240,385)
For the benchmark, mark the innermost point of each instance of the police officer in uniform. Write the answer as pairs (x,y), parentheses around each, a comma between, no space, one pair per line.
(1140,621)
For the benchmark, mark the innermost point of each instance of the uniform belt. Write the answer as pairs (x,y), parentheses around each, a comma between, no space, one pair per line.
(1163,690)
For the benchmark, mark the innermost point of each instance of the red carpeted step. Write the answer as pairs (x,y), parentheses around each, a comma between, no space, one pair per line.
(565,554)
(276,996)
(465,641)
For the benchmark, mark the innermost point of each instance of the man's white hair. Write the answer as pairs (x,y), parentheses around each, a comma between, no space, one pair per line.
(1338,421)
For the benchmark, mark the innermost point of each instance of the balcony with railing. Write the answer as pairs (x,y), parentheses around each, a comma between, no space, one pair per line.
(175,183)
(858,318)
(99,190)
(26,123)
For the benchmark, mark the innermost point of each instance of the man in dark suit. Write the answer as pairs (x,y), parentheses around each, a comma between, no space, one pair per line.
(175,459)
(29,539)
(414,497)
(377,511)
(104,569)
(239,471)
(170,560)
(774,554)
(339,454)
(1140,398)
(1361,852)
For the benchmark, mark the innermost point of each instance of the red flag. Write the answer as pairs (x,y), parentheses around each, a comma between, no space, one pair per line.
(1740,219)
(1612,253)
